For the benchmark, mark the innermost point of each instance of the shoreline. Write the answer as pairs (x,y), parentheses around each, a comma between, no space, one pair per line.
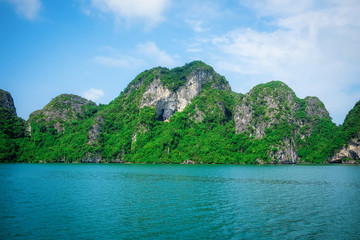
(145,163)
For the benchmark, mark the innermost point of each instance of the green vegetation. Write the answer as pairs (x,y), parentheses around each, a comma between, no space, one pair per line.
(176,78)
(351,126)
(208,130)
(12,130)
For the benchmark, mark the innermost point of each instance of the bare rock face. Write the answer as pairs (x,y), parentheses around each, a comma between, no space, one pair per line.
(92,158)
(168,102)
(94,132)
(160,97)
(314,107)
(188,162)
(349,153)
(7,102)
(269,106)
(263,107)
(287,153)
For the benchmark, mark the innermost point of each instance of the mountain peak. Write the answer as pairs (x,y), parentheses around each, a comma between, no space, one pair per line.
(65,107)
(177,77)
(351,123)
(174,89)
(273,86)
(7,102)
(65,99)
(171,90)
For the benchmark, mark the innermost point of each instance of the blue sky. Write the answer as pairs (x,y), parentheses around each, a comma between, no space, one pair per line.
(94,48)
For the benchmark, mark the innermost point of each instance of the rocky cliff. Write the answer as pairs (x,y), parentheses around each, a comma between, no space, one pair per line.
(273,106)
(350,133)
(167,102)
(170,91)
(7,102)
(270,104)
(157,97)
(11,129)
(349,153)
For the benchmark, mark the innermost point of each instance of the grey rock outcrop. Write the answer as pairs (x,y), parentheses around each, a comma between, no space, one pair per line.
(349,153)
(92,158)
(245,116)
(7,102)
(168,102)
(262,107)
(188,162)
(268,106)
(315,108)
(287,153)
(94,131)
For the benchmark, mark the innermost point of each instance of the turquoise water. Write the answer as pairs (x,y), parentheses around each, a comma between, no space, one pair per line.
(94,201)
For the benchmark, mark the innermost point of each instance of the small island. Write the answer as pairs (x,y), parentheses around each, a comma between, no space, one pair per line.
(186,115)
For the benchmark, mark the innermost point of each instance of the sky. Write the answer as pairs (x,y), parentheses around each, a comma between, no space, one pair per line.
(94,48)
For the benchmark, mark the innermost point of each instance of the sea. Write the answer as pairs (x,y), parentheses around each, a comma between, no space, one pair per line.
(148,201)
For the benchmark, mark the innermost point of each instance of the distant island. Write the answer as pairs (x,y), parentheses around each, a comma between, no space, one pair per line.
(187,114)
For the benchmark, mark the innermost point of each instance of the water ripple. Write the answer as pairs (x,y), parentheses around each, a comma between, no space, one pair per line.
(178,202)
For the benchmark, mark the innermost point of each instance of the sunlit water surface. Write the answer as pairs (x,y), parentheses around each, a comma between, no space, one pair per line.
(106,201)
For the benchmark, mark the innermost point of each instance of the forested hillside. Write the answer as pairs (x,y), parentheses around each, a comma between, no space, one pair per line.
(11,129)
(183,115)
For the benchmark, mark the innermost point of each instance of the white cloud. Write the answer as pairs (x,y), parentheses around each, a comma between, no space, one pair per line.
(113,62)
(313,48)
(193,50)
(28,9)
(281,7)
(199,10)
(151,12)
(156,55)
(196,25)
(121,62)
(93,94)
